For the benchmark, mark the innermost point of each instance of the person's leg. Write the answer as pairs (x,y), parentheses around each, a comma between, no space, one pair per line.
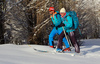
(66,42)
(51,35)
(60,38)
(74,42)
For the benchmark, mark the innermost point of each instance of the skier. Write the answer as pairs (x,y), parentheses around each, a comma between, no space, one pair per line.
(67,23)
(56,19)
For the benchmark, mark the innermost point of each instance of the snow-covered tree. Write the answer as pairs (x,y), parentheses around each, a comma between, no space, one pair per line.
(15,25)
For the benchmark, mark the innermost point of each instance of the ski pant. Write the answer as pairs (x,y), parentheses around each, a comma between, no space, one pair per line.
(53,33)
(62,35)
(74,42)
(72,37)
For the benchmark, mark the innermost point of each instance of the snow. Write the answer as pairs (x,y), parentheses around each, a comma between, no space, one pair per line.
(25,54)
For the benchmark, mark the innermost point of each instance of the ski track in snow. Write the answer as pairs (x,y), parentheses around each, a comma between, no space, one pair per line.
(25,54)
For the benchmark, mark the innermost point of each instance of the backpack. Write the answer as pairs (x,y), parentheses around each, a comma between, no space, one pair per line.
(75,19)
(57,14)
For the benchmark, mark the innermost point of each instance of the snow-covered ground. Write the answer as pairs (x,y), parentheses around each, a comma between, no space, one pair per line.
(25,54)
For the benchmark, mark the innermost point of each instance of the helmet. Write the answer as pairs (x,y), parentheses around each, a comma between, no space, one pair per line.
(51,9)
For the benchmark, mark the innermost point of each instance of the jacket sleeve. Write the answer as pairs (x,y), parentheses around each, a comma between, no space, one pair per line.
(68,23)
(57,20)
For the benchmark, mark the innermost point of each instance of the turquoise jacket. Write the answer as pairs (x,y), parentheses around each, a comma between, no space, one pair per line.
(56,19)
(67,20)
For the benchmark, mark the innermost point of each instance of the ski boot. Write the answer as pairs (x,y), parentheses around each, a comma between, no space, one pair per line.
(52,45)
(67,49)
(59,50)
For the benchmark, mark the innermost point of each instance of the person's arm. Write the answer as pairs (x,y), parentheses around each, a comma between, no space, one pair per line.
(57,20)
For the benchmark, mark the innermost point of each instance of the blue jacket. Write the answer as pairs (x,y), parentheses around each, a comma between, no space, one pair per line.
(67,20)
(56,19)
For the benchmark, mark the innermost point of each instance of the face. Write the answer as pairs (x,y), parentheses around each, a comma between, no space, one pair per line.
(51,12)
(62,14)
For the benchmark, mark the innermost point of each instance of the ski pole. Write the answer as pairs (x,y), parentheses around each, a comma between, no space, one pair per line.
(69,42)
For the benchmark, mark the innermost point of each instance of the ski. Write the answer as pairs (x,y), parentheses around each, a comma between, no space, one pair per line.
(40,50)
(71,53)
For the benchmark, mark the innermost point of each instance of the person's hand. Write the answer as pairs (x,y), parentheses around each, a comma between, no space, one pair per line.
(62,24)
(52,25)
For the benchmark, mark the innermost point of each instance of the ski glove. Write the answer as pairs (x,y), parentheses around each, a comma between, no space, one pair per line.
(52,25)
(62,24)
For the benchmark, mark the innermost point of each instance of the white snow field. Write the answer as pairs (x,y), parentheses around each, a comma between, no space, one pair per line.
(25,54)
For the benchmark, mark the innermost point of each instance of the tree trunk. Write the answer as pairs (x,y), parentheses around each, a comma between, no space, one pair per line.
(1,21)
(15,24)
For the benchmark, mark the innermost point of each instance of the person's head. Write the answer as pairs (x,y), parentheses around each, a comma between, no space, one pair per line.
(51,10)
(62,12)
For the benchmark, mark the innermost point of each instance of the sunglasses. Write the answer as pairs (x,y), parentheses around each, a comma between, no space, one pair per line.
(51,11)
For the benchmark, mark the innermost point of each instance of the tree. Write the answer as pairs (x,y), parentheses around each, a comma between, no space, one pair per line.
(27,21)
(15,24)
(1,21)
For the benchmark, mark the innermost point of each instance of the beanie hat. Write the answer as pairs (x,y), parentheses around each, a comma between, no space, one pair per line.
(62,10)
